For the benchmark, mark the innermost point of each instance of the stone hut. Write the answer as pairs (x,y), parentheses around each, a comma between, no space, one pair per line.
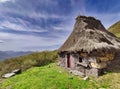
(89,49)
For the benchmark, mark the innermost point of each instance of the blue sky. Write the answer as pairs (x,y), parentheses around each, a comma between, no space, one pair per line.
(35,25)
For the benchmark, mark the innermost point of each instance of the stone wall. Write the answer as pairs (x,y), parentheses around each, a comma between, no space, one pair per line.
(72,59)
(114,65)
(92,68)
(93,72)
(62,61)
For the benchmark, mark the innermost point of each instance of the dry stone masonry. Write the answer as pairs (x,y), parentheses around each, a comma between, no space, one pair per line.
(90,48)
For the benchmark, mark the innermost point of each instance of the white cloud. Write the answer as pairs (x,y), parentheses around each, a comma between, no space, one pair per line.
(79,7)
(3,1)
(64,27)
(39,15)
(58,28)
(1,41)
(20,27)
(19,42)
(28,11)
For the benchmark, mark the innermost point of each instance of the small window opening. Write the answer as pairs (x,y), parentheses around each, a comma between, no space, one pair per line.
(80,59)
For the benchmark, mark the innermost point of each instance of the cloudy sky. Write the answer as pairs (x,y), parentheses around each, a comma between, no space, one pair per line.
(35,25)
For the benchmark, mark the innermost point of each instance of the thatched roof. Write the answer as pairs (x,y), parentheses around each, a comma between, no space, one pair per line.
(89,34)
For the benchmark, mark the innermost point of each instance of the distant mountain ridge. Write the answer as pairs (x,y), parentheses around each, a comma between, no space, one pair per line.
(115,29)
(10,54)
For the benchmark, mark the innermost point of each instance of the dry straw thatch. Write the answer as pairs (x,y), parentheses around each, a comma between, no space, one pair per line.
(89,34)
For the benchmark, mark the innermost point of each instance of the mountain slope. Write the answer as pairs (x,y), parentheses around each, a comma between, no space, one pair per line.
(10,54)
(115,29)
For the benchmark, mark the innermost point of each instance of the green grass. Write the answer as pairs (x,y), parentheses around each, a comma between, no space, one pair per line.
(39,73)
(44,78)
(115,29)
(27,61)
(53,77)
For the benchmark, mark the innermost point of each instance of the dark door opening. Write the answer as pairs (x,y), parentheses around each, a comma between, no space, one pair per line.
(80,59)
(68,61)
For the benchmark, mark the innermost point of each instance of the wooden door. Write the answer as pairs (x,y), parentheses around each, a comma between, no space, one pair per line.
(68,61)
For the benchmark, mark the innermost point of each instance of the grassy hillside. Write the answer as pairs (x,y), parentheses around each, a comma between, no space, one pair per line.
(53,77)
(50,76)
(25,62)
(115,29)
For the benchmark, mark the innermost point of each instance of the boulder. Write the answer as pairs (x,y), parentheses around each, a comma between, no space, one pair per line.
(16,71)
(86,78)
(7,75)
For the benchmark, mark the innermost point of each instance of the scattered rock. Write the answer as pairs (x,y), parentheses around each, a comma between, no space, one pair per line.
(16,71)
(7,75)
(77,73)
(86,78)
